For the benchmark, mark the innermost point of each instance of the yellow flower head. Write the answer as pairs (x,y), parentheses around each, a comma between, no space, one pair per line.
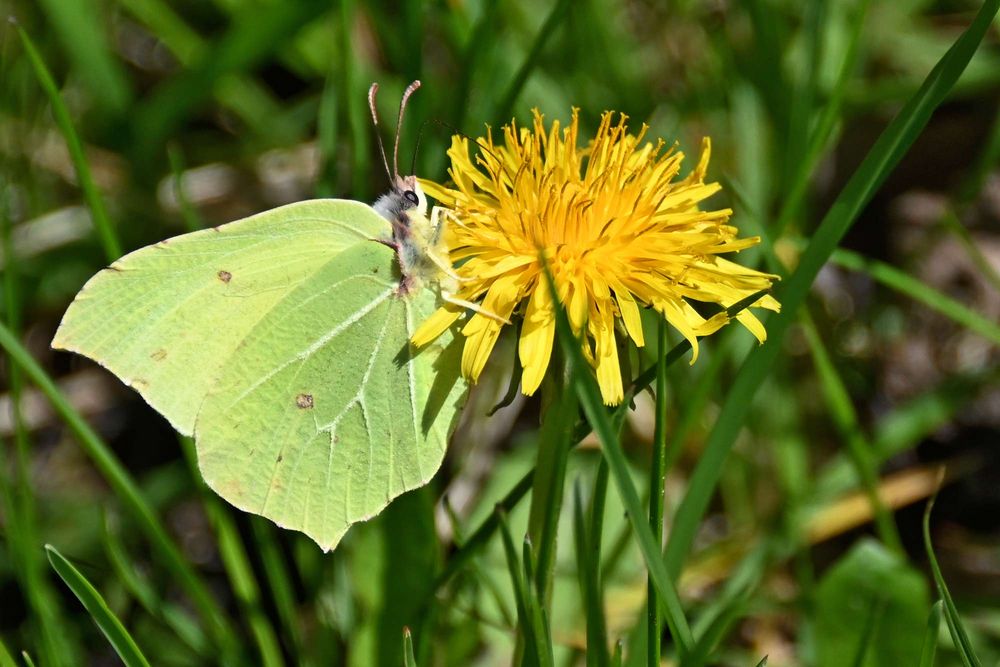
(618,230)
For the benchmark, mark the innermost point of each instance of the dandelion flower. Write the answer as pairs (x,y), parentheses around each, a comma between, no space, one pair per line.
(619,229)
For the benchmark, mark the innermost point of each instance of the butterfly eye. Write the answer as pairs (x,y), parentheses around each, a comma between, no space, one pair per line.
(411,197)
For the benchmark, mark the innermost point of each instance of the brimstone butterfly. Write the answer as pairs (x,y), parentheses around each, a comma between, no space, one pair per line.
(281,343)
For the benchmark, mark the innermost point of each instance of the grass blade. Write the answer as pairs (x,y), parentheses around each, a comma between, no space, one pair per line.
(536,610)
(109,240)
(880,161)
(820,135)
(931,638)
(78,25)
(590,399)
(127,492)
(98,609)
(408,658)
(484,532)
(898,280)
(958,634)
(146,594)
(554,442)
(19,502)
(588,569)
(534,655)
(846,421)
(552,21)
(265,542)
(657,479)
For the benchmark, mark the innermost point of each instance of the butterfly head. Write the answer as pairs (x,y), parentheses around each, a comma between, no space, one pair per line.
(405,199)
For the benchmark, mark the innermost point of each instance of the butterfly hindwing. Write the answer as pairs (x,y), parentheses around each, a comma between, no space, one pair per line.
(331,429)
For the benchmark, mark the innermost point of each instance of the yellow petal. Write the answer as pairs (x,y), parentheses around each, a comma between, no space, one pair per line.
(435,325)
(537,335)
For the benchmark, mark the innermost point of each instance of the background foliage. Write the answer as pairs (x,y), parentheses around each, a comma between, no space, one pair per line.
(797,473)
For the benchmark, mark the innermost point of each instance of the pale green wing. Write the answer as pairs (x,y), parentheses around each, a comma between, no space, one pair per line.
(279,340)
(166,317)
(318,428)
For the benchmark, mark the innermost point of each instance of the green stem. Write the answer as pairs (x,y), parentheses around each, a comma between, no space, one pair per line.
(657,479)
(554,442)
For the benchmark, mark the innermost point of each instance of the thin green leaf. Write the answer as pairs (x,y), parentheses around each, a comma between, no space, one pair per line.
(127,491)
(763,662)
(832,106)
(846,421)
(351,88)
(408,658)
(484,532)
(265,543)
(931,638)
(657,479)
(588,573)
(880,161)
(531,60)
(98,609)
(19,502)
(554,442)
(192,221)
(892,277)
(725,608)
(958,634)
(536,611)
(951,223)
(326,139)
(616,657)
(176,618)
(593,407)
(78,25)
(6,659)
(27,659)
(112,248)
(534,655)
(479,42)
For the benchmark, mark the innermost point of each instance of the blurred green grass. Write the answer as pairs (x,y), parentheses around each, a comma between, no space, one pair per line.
(191,112)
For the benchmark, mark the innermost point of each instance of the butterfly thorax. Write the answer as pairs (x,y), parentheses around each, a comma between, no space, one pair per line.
(419,247)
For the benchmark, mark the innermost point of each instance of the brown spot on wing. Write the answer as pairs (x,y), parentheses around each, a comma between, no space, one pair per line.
(225,276)
(304,401)
(159,355)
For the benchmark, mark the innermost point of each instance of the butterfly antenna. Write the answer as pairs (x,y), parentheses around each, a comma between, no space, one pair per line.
(474,142)
(399,125)
(416,148)
(378,134)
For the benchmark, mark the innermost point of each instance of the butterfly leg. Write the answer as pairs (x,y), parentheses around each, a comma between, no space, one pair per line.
(474,307)
(437,219)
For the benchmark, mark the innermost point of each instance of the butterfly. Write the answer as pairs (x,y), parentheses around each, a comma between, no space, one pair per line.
(281,343)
